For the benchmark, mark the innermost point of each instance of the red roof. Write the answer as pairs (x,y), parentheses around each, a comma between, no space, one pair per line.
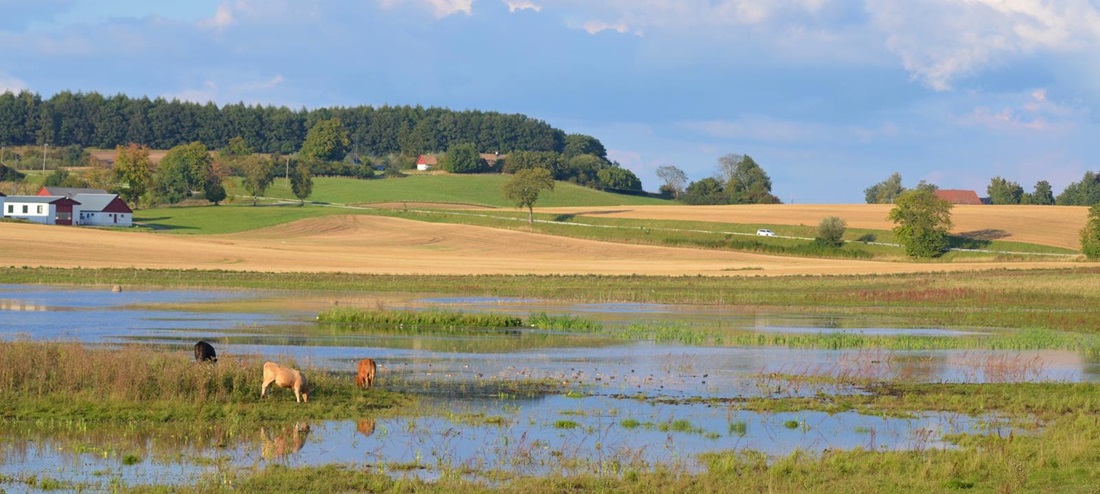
(958,196)
(427,159)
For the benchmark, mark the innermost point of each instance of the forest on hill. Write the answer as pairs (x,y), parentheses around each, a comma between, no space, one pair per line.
(94,120)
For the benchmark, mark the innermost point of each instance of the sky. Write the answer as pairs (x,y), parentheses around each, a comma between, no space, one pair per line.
(828,96)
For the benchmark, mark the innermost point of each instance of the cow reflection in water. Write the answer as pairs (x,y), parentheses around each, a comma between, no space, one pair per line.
(365,427)
(279,443)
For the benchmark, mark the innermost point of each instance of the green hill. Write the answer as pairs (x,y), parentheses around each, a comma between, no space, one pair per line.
(481,190)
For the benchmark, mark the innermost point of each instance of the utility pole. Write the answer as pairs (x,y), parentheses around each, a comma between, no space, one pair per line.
(44,144)
(288,169)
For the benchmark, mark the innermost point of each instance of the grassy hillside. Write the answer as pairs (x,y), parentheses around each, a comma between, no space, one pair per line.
(481,190)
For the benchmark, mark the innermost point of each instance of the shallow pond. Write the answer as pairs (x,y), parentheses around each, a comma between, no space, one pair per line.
(596,424)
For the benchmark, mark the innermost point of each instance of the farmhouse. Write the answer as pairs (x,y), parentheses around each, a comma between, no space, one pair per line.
(958,196)
(48,210)
(103,210)
(426,162)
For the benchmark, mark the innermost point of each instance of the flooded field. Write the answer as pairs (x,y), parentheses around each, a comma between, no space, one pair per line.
(622,404)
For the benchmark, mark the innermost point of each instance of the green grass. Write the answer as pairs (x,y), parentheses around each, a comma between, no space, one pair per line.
(352,317)
(212,220)
(479,189)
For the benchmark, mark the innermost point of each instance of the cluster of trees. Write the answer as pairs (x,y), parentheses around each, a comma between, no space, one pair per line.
(583,161)
(739,180)
(92,120)
(1001,191)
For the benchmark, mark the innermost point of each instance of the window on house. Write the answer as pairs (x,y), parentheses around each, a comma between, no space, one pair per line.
(11,208)
(39,209)
(24,209)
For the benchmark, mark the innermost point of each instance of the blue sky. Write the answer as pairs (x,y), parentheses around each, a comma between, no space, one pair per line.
(829,96)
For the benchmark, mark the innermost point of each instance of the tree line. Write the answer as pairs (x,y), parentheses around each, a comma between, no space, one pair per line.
(1000,190)
(94,120)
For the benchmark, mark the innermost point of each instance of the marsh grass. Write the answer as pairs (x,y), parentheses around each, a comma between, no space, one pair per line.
(355,317)
(63,380)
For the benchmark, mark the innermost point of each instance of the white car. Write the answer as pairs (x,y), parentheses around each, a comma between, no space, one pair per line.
(764,232)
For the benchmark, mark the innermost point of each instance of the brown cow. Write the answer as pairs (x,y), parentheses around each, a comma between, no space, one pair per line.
(367,369)
(285,377)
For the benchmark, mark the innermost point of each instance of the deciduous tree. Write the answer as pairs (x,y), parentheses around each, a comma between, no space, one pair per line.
(462,158)
(301,180)
(133,172)
(258,175)
(327,140)
(524,188)
(885,191)
(1090,234)
(1003,191)
(674,180)
(748,183)
(831,231)
(922,223)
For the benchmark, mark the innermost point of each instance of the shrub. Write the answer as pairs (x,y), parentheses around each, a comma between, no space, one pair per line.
(831,231)
(1090,234)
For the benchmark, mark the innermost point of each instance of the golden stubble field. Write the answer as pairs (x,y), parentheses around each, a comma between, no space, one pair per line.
(366,244)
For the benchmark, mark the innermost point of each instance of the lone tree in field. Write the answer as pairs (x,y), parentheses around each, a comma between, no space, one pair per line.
(524,189)
(923,222)
(301,181)
(831,231)
(258,175)
(1090,234)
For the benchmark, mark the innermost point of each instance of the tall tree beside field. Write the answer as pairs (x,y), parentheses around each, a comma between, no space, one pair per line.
(674,180)
(525,187)
(922,223)
(1004,191)
(578,144)
(1083,193)
(301,180)
(193,162)
(327,140)
(1043,195)
(1090,234)
(885,191)
(133,172)
(747,182)
(258,173)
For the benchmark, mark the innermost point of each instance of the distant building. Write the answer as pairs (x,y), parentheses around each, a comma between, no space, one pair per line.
(958,196)
(426,162)
(69,206)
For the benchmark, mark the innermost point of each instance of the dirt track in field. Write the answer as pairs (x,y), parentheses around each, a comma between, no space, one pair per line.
(366,244)
(1043,225)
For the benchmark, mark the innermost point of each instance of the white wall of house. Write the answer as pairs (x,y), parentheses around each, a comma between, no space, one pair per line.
(99,218)
(31,211)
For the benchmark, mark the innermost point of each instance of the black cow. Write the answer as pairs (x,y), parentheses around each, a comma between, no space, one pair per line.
(205,353)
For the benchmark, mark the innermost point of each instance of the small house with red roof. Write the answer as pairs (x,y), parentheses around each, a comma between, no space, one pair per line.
(103,210)
(959,196)
(426,162)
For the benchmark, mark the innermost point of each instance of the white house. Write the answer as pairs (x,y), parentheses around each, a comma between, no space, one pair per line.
(426,162)
(49,210)
(103,210)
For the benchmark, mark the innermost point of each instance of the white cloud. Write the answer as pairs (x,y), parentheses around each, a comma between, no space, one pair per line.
(1032,111)
(222,19)
(941,41)
(441,8)
(594,27)
(514,5)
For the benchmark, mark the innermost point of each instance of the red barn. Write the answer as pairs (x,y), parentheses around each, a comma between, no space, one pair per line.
(958,196)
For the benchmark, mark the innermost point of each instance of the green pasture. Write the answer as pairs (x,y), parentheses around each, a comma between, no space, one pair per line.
(479,190)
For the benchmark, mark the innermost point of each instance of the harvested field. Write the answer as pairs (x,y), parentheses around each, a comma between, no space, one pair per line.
(381,245)
(1044,225)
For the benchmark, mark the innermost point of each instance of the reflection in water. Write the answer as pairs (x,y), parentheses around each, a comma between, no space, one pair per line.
(365,427)
(21,305)
(278,443)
